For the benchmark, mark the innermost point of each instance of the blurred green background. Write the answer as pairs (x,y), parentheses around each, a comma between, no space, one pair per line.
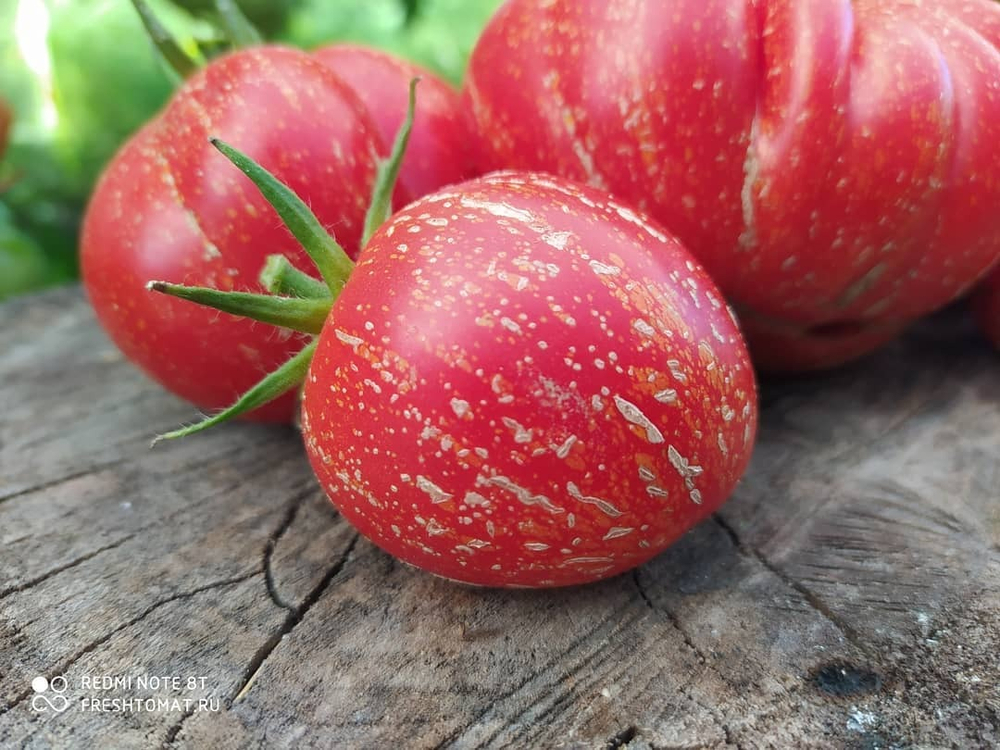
(77,77)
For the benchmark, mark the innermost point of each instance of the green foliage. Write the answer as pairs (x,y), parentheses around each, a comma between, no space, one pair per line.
(438,34)
(102,91)
(23,264)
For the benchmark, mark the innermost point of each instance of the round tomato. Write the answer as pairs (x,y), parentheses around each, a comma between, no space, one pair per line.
(526,383)
(170,207)
(832,162)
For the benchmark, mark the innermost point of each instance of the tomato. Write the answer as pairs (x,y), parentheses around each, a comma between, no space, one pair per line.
(987,306)
(170,207)
(833,163)
(525,383)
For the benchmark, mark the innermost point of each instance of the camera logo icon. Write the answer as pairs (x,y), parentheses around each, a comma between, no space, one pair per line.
(49,694)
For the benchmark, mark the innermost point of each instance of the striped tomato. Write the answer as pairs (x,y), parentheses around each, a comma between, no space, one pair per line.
(525,383)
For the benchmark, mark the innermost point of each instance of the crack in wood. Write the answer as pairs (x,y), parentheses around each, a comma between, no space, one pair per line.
(851,635)
(91,647)
(689,642)
(96,468)
(4,593)
(292,619)
(261,655)
(182,510)
(174,730)
(670,616)
(272,542)
(593,662)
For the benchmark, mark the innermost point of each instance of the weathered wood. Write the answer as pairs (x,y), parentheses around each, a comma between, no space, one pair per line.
(849,594)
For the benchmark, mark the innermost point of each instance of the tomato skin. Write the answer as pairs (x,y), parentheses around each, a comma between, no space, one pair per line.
(170,207)
(815,187)
(439,151)
(524,383)
(987,307)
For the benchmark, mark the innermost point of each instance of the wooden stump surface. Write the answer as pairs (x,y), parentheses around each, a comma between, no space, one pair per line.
(847,596)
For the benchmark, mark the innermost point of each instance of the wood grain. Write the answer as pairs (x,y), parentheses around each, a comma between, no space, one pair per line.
(847,596)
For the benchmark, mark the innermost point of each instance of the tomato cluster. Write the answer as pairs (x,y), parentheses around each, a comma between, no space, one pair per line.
(518,379)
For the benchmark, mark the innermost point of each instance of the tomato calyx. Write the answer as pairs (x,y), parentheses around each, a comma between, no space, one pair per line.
(329,257)
(281,277)
(293,299)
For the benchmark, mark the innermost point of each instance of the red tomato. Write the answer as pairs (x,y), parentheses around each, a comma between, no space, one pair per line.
(987,305)
(525,383)
(832,162)
(170,207)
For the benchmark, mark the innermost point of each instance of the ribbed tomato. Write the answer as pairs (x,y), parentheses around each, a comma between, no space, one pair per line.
(832,162)
(525,383)
(170,206)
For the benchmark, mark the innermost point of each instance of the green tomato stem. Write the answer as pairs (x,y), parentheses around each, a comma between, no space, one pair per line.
(282,380)
(303,315)
(333,263)
(380,208)
(177,60)
(281,277)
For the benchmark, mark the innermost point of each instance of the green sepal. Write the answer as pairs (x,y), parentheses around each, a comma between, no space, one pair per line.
(333,263)
(303,315)
(281,277)
(380,208)
(282,380)
(177,60)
